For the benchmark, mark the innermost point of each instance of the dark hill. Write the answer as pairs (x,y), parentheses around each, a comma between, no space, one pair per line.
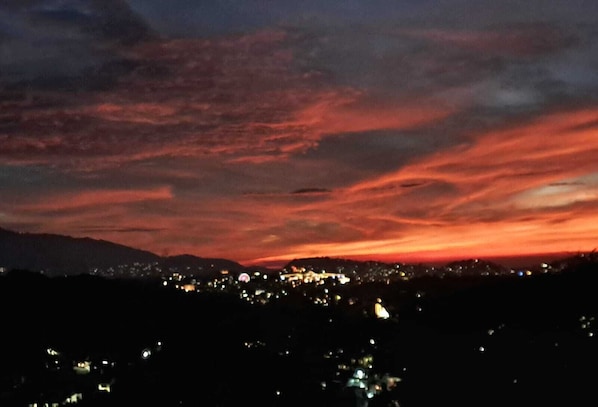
(475,267)
(203,265)
(64,254)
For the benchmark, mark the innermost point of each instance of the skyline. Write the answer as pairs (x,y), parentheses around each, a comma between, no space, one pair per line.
(265,131)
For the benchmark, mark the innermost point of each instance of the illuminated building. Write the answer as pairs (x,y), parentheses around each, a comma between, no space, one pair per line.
(188,287)
(82,367)
(380,311)
(312,277)
(104,387)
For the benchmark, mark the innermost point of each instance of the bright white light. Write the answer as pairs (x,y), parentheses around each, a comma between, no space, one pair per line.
(104,387)
(481,349)
(359,374)
(372,341)
(380,311)
(146,353)
(343,279)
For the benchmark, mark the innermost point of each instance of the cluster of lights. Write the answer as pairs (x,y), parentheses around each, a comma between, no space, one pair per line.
(370,386)
(587,324)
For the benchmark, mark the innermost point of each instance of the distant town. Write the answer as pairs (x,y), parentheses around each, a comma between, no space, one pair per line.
(320,331)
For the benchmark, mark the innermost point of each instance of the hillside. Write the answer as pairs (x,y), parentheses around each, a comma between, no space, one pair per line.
(65,255)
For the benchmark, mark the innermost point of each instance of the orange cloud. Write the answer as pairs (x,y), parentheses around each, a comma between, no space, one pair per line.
(505,162)
(527,188)
(356,113)
(492,208)
(142,113)
(99,199)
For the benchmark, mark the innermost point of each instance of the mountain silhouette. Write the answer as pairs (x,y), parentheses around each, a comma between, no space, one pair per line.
(65,255)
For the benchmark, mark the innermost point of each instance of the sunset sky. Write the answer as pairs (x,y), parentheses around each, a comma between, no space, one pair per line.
(262,131)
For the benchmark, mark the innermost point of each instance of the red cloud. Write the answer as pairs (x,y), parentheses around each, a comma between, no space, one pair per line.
(505,162)
(476,199)
(485,211)
(238,97)
(98,199)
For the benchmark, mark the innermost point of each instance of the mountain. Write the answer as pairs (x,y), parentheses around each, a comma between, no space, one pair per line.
(60,255)
(64,254)
(579,260)
(207,265)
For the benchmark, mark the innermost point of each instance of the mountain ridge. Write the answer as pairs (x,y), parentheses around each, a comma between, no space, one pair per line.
(62,254)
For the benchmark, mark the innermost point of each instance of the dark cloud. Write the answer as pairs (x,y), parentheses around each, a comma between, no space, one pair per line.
(378,151)
(191,18)
(311,191)
(199,18)
(66,44)
(412,184)
(564,184)
(105,21)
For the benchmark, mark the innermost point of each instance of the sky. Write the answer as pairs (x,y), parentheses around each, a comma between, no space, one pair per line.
(264,131)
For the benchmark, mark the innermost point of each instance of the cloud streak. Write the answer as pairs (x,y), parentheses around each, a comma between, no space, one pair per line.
(98,198)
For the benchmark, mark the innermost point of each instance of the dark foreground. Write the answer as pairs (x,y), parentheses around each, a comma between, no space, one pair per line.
(467,342)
